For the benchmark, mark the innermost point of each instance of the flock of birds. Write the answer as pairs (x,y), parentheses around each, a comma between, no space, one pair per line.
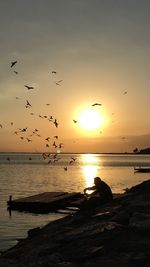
(25,134)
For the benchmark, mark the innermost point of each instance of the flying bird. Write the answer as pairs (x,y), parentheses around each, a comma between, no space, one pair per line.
(56,136)
(47,139)
(125,93)
(54,144)
(28,104)
(29,140)
(13,63)
(29,87)
(75,121)
(61,145)
(54,72)
(1,126)
(56,123)
(96,104)
(58,83)
(16,72)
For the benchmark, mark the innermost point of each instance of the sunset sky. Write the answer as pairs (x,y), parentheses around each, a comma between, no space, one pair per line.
(100,51)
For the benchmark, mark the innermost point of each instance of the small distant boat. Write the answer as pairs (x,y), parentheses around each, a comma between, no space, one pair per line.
(142,169)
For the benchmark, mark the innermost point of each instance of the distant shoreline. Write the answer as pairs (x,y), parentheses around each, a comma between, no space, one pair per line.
(77,153)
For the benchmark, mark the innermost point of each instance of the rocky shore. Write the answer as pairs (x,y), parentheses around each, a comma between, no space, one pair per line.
(113,235)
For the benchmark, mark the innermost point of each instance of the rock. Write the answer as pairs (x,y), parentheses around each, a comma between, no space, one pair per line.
(140,221)
(122,218)
(33,232)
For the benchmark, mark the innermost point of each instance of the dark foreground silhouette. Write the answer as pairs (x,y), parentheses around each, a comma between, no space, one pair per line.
(115,234)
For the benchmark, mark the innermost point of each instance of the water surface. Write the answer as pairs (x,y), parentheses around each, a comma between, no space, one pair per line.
(27,174)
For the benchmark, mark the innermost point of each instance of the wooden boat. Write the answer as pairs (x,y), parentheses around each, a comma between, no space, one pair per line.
(142,169)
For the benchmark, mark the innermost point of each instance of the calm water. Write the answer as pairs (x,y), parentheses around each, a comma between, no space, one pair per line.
(28,174)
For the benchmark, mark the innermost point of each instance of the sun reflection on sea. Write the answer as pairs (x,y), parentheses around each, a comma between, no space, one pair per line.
(90,168)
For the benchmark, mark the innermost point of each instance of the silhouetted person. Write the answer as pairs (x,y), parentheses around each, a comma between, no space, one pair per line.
(102,193)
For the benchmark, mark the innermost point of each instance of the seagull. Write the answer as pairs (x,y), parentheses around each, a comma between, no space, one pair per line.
(40,116)
(58,83)
(23,130)
(125,93)
(29,87)
(47,139)
(47,104)
(16,72)
(54,144)
(1,126)
(28,104)
(13,63)
(72,160)
(11,123)
(61,145)
(54,72)
(29,140)
(56,123)
(56,136)
(96,104)
(75,121)
(65,168)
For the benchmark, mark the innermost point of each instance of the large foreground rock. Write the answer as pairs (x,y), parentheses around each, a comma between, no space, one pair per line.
(114,235)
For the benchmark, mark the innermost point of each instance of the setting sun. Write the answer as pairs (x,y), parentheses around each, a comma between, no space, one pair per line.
(90,119)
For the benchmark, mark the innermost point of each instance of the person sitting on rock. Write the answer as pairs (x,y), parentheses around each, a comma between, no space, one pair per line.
(102,191)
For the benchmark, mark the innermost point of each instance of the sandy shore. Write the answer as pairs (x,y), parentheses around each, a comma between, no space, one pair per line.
(114,235)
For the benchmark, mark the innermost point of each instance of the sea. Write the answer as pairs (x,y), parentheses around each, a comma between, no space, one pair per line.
(25,174)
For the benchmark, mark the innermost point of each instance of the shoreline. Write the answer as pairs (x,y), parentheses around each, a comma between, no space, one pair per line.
(116,234)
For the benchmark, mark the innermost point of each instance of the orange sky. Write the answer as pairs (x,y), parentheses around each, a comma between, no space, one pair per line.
(99,49)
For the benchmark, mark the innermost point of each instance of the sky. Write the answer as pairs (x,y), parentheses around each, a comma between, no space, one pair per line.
(100,51)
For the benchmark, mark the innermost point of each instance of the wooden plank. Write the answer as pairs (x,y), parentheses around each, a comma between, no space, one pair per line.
(41,203)
(43,197)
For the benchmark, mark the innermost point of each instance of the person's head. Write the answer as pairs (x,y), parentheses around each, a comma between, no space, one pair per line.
(97,180)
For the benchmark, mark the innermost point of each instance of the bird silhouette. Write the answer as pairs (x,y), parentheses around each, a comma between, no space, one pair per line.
(54,72)
(58,83)
(65,168)
(54,144)
(96,104)
(56,123)
(13,63)
(61,145)
(125,93)
(29,87)
(16,72)
(47,139)
(29,140)
(56,136)
(1,126)
(75,121)
(28,104)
